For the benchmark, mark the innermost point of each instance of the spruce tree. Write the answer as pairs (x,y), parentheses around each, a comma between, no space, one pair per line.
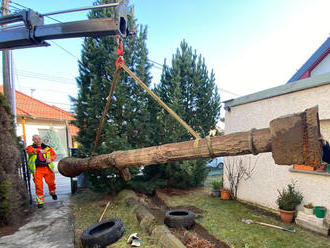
(53,140)
(188,88)
(125,126)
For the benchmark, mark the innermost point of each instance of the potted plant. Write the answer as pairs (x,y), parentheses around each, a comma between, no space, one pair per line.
(322,167)
(289,198)
(225,194)
(216,186)
(308,208)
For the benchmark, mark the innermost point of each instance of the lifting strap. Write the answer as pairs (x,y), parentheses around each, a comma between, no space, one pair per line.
(120,60)
(157,99)
(120,64)
(112,89)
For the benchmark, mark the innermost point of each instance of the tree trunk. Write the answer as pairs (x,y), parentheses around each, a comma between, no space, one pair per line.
(292,139)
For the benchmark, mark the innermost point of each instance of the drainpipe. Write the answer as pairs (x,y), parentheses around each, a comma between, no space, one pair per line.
(23,127)
(67,138)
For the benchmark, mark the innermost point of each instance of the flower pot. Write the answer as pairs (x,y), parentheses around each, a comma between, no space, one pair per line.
(322,167)
(320,211)
(287,216)
(303,167)
(225,194)
(308,211)
(215,193)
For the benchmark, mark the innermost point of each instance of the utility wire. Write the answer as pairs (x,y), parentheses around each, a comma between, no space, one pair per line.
(45,77)
(54,19)
(11,6)
(155,62)
(229,92)
(67,51)
(20,5)
(54,90)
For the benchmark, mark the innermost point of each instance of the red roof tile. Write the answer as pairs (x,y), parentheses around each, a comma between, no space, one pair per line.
(31,107)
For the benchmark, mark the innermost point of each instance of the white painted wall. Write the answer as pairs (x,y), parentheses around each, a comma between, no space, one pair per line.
(32,127)
(322,67)
(268,177)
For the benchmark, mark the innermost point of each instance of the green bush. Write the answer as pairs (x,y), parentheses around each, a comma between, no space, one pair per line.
(105,181)
(4,199)
(145,186)
(289,198)
(309,205)
(217,184)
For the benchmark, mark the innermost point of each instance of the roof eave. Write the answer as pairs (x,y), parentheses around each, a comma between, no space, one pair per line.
(298,85)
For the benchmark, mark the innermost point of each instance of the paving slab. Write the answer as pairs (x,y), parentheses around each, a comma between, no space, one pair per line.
(49,227)
(311,222)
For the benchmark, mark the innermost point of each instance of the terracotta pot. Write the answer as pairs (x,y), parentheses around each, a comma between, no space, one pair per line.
(287,216)
(322,167)
(303,167)
(225,194)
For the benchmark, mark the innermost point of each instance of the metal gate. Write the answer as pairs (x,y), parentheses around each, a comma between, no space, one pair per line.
(24,172)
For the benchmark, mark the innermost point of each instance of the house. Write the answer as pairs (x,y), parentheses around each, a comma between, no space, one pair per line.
(317,64)
(310,86)
(36,117)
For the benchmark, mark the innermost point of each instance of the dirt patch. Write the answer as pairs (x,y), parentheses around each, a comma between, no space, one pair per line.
(193,209)
(198,236)
(12,228)
(172,191)
(260,211)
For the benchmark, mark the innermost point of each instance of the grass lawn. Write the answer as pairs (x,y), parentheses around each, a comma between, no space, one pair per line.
(220,218)
(87,209)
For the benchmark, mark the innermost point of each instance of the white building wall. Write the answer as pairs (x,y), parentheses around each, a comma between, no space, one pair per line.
(268,177)
(32,127)
(322,67)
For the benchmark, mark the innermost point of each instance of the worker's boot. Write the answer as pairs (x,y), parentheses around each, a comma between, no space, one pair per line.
(54,196)
(40,205)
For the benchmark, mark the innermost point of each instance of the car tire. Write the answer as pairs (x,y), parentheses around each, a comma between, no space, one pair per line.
(179,218)
(102,233)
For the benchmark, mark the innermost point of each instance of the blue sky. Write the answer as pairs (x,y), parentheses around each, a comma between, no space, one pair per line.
(251,45)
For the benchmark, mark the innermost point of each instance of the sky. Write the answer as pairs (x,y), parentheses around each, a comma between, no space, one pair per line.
(251,45)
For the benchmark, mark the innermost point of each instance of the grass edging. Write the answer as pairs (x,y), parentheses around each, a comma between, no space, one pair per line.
(148,222)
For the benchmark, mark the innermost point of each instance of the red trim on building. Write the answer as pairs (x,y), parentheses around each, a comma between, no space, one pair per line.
(307,73)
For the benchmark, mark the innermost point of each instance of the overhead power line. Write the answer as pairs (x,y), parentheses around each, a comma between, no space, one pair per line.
(155,62)
(20,5)
(229,92)
(65,50)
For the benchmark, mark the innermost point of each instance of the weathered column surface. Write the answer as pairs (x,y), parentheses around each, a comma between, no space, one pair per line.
(291,139)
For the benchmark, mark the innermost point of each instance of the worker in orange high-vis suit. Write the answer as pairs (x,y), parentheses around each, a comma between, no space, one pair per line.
(40,163)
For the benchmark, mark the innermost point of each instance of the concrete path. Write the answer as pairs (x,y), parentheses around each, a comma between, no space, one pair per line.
(48,227)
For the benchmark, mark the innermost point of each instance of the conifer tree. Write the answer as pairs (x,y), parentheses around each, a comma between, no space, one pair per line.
(189,90)
(53,140)
(125,126)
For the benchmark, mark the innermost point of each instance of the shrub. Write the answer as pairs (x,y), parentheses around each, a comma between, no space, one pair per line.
(309,205)
(289,198)
(145,186)
(217,184)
